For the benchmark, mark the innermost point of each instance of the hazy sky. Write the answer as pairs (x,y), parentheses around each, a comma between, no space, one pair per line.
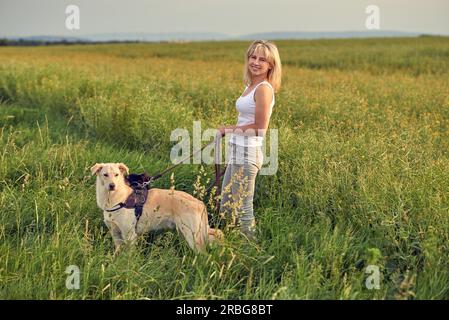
(231,17)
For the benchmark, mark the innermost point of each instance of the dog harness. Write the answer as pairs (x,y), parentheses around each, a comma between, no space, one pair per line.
(140,184)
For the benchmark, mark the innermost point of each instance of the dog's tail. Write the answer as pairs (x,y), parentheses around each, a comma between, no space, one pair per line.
(204,226)
(199,235)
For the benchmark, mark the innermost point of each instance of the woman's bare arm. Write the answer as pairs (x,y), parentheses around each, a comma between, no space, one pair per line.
(263,97)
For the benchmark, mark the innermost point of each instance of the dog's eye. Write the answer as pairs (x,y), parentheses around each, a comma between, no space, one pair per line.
(105,174)
(116,174)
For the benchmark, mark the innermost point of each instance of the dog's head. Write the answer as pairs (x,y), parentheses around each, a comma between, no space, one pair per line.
(110,175)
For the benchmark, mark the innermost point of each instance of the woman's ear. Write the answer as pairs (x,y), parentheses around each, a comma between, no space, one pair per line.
(123,168)
(96,168)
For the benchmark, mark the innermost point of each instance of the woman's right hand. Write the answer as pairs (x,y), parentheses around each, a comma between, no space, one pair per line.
(221,131)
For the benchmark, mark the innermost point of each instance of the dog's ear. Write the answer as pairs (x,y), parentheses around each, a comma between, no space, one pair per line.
(123,168)
(96,168)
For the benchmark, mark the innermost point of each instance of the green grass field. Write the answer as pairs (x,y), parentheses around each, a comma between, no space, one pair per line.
(363,173)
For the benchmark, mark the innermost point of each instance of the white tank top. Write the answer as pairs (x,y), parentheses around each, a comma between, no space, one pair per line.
(246,106)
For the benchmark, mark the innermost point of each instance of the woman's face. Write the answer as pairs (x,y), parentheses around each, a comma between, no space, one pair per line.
(258,64)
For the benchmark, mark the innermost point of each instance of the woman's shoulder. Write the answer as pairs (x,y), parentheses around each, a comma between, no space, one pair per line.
(264,91)
(264,86)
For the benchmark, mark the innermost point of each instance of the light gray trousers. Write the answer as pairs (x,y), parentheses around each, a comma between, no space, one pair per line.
(239,183)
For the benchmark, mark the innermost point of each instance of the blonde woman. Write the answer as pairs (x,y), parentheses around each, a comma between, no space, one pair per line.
(262,77)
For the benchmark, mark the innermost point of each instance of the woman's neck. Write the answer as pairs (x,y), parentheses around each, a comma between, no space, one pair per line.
(257,80)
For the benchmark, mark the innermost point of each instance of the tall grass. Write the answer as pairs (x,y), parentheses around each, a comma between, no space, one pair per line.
(362,179)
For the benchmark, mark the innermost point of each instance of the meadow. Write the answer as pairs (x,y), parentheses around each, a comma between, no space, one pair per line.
(363,173)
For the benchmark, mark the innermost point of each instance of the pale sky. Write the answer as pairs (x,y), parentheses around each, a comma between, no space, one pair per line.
(230,17)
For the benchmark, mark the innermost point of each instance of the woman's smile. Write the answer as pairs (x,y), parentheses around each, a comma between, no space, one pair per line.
(255,69)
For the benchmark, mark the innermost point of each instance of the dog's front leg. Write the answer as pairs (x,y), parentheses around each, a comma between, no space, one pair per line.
(116,235)
(127,225)
(129,235)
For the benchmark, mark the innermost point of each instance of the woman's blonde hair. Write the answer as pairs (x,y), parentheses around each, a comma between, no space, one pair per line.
(270,51)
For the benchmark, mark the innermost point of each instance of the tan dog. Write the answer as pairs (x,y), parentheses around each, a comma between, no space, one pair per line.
(164,209)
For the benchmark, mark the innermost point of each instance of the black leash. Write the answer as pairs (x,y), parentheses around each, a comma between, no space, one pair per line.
(159,175)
